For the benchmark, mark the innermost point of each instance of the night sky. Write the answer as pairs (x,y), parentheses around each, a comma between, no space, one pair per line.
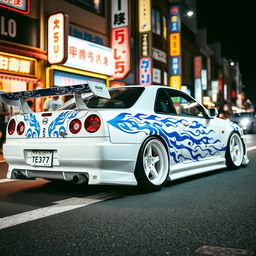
(227,21)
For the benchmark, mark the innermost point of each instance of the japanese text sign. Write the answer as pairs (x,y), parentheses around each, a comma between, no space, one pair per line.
(89,56)
(17,65)
(175,66)
(175,44)
(144,15)
(121,47)
(145,71)
(176,82)
(174,20)
(57,38)
(21,6)
(119,13)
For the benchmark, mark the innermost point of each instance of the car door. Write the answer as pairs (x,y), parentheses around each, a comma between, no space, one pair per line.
(169,128)
(199,134)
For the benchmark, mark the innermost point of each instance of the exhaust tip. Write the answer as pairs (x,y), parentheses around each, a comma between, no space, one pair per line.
(80,179)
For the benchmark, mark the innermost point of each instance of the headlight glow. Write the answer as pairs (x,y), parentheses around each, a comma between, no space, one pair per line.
(245,121)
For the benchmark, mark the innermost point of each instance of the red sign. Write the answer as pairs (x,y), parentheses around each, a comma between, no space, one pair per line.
(197,66)
(121,51)
(21,6)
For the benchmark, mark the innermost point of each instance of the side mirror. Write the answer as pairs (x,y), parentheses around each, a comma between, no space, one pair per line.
(213,112)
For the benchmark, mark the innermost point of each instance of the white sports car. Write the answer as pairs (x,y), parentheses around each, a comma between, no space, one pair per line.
(130,135)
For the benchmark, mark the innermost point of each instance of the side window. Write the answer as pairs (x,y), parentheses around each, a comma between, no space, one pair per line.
(185,105)
(163,103)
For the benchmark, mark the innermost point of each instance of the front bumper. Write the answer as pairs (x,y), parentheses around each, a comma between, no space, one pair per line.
(101,161)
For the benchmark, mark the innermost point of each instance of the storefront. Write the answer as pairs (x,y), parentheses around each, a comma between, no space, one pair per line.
(86,61)
(21,59)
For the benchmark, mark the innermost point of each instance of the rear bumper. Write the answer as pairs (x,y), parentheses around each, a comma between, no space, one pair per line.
(100,160)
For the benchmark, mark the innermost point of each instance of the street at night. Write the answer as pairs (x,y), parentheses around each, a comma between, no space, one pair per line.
(214,209)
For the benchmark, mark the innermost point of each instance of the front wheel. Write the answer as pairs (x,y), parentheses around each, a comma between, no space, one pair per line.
(235,151)
(152,166)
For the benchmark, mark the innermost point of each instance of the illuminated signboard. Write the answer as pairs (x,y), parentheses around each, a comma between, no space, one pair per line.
(175,44)
(204,79)
(175,47)
(175,66)
(121,47)
(176,82)
(145,71)
(144,15)
(197,66)
(57,38)
(175,20)
(89,56)
(21,6)
(120,39)
(198,90)
(145,45)
(119,13)
(17,65)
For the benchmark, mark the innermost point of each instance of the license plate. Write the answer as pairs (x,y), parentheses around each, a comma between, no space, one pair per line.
(41,158)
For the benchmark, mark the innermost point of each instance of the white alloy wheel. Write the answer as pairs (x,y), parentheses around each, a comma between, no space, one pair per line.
(236,150)
(155,162)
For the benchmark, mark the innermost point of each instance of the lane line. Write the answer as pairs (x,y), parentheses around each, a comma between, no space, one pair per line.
(61,206)
(251,148)
(6,180)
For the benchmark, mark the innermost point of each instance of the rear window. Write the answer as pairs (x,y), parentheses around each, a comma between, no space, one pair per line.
(121,97)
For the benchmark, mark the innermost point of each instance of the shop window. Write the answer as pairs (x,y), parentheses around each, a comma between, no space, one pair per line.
(95,6)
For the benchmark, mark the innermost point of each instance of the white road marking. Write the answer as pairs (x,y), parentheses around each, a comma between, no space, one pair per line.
(6,180)
(61,206)
(251,148)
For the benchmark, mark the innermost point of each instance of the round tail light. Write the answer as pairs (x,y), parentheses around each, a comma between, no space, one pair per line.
(11,127)
(75,126)
(92,123)
(20,128)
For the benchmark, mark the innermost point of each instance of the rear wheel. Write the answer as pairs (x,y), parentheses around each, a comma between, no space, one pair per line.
(152,166)
(235,151)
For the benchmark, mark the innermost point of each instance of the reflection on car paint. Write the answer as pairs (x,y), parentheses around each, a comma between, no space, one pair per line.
(188,140)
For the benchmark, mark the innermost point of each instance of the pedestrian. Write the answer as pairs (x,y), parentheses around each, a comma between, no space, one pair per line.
(3,122)
(53,103)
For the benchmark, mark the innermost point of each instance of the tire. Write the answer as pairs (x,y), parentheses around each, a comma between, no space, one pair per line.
(235,151)
(152,166)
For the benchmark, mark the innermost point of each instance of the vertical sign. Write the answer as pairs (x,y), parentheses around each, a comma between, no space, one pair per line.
(145,62)
(197,78)
(204,79)
(120,39)
(175,47)
(57,38)
(145,71)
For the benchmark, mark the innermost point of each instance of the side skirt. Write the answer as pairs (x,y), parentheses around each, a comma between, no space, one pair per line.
(188,169)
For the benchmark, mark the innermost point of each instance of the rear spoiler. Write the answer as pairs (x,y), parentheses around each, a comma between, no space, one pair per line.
(20,98)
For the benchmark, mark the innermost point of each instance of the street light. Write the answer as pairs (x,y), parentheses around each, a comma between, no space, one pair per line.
(189,13)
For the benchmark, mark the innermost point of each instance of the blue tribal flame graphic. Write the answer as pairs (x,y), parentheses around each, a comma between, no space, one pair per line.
(57,126)
(34,130)
(192,139)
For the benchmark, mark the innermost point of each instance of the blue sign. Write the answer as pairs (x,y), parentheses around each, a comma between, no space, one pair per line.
(174,19)
(175,66)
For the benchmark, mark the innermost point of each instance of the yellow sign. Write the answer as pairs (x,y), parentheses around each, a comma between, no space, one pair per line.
(17,65)
(175,44)
(175,82)
(144,15)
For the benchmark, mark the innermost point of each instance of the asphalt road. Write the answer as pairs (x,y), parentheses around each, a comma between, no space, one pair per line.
(215,209)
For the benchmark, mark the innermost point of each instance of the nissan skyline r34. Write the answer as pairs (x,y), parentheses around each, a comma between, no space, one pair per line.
(132,135)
